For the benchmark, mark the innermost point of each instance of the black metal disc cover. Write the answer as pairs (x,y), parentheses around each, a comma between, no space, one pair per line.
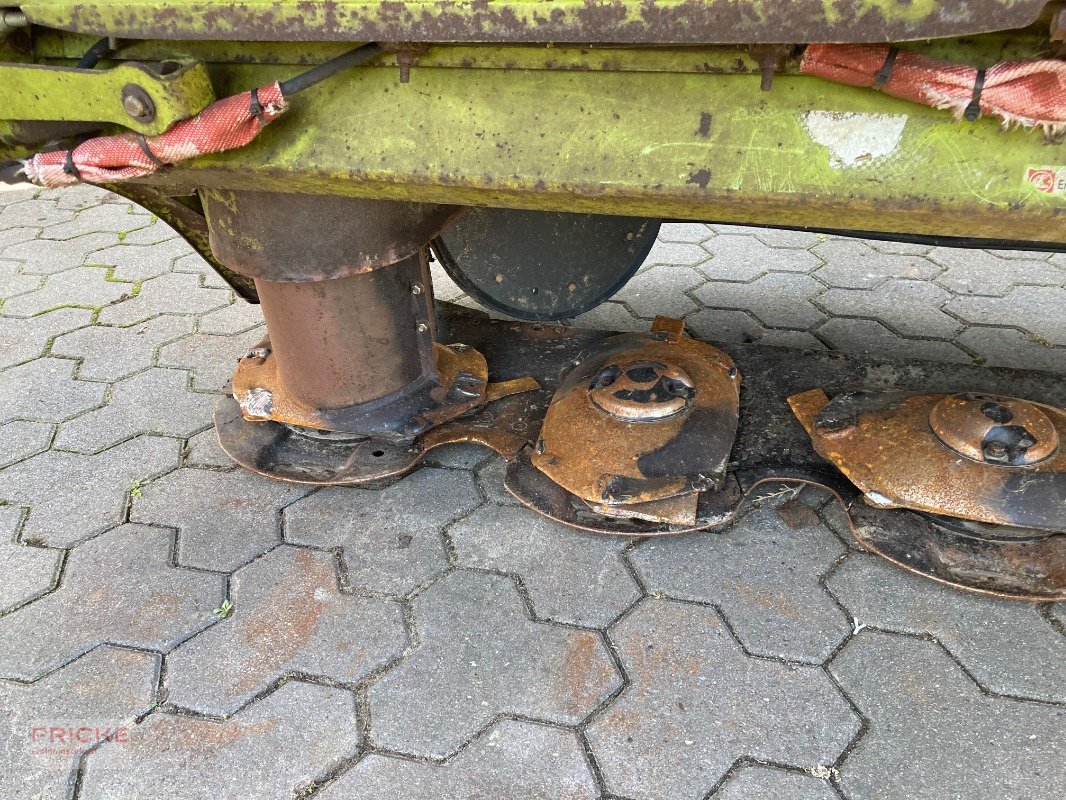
(541,265)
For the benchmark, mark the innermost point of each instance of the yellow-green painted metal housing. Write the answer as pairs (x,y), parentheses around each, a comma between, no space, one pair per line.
(681,132)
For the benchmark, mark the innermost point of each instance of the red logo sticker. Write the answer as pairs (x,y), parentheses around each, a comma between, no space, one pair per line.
(1050,180)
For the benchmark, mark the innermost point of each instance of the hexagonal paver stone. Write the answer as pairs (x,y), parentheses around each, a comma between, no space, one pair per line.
(97,696)
(390,538)
(854,264)
(765,783)
(224,519)
(237,317)
(491,477)
(910,307)
(50,256)
(696,703)
(110,354)
(288,616)
(694,232)
(981,272)
(19,440)
(513,761)
(73,496)
(117,589)
(194,263)
(13,281)
(139,262)
(610,317)
(203,449)
(1007,347)
(1007,645)
(23,339)
(764,576)
(869,336)
(479,656)
(932,733)
(1038,308)
(741,257)
(80,288)
(31,212)
(211,359)
(716,325)
(107,217)
(271,749)
(776,299)
(169,293)
(661,290)
(682,253)
(25,572)
(571,576)
(45,391)
(156,401)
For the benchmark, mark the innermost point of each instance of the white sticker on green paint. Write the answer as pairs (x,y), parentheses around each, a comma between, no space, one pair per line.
(855,140)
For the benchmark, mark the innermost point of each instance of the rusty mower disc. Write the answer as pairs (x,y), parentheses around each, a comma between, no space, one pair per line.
(979,481)
(637,437)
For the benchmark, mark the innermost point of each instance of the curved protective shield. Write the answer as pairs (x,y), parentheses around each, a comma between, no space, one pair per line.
(539,265)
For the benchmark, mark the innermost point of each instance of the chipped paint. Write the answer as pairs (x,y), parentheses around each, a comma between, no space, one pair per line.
(855,140)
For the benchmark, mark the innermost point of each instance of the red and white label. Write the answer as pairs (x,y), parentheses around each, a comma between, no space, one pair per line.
(1050,180)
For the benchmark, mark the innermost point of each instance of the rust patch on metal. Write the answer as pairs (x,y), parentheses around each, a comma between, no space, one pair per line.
(280,236)
(689,21)
(884,442)
(262,394)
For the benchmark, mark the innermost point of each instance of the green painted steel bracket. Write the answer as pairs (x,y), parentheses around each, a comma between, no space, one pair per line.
(33,92)
(690,146)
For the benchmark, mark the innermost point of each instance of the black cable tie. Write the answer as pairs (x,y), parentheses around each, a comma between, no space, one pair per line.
(881,78)
(256,108)
(68,167)
(151,156)
(973,110)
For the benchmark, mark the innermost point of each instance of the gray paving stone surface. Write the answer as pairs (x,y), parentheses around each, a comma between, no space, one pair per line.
(272,749)
(45,390)
(288,617)
(766,783)
(695,704)
(432,637)
(224,519)
(118,588)
(99,695)
(25,339)
(513,760)
(72,497)
(934,732)
(571,576)
(25,572)
(764,575)
(390,539)
(20,440)
(154,401)
(111,353)
(90,287)
(479,656)
(1008,647)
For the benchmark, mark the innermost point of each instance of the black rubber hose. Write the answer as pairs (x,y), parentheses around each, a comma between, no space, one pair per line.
(352,58)
(95,54)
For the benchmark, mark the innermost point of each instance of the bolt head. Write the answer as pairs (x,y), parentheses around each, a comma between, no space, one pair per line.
(134,106)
